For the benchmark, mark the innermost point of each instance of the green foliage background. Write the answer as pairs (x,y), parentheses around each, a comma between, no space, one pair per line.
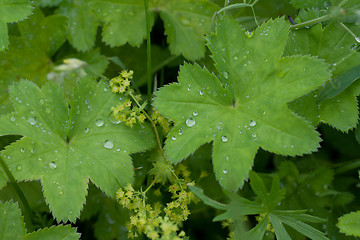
(261,102)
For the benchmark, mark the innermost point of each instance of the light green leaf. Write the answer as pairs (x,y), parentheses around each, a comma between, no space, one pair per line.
(64,148)
(11,11)
(29,56)
(185,23)
(251,111)
(82,23)
(59,232)
(12,227)
(350,224)
(336,47)
(11,224)
(47,3)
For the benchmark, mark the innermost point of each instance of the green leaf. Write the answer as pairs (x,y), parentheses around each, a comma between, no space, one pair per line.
(11,11)
(55,233)
(280,231)
(29,56)
(185,23)
(335,46)
(239,207)
(12,227)
(64,148)
(11,224)
(82,23)
(251,111)
(208,201)
(339,84)
(350,224)
(256,233)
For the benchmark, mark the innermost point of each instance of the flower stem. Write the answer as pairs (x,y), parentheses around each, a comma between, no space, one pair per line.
(311,22)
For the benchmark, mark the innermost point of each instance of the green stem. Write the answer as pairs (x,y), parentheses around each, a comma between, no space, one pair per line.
(343,3)
(153,125)
(18,190)
(345,167)
(351,32)
(311,22)
(148,50)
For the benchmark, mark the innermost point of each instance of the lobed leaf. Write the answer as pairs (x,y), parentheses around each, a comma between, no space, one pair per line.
(29,56)
(13,227)
(65,147)
(185,22)
(245,106)
(336,46)
(11,11)
(82,23)
(350,224)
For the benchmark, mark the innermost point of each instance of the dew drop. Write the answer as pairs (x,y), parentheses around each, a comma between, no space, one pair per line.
(99,122)
(292,146)
(12,119)
(224,139)
(32,150)
(22,150)
(86,130)
(173,138)
(253,135)
(236,58)
(252,123)
(195,114)
(41,101)
(61,193)
(52,165)
(181,131)
(201,92)
(226,75)
(108,144)
(190,122)
(32,121)
(19,167)
(225,171)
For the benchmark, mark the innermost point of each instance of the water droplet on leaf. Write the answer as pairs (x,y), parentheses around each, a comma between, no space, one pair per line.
(225,171)
(190,122)
(19,167)
(252,123)
(224,139)
(195,114)
(108,144)
(32,121)
(86,130)
(173,138)
(226,75)
(52,165)
(99,122)
(12,119)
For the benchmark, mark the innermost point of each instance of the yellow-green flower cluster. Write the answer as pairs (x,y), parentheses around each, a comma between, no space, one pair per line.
(124,112)
(162,121)
(178,210)
(121,83)
(145,219)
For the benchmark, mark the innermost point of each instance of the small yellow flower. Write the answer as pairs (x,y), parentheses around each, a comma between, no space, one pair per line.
(127,103)
(127,74)
(141,118)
